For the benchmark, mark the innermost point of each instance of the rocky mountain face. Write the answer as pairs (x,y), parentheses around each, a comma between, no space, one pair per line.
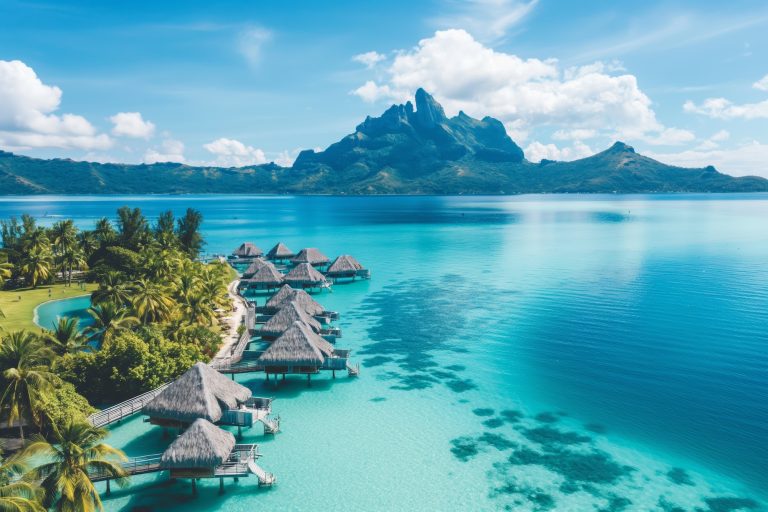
(408,150)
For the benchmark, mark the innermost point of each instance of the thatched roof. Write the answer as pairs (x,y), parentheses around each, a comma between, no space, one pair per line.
(254,267)
(310,255)
(304,273)
(202,445)
(344,263)
(247,250)
(284,318)
(267,274)
(201,392)
(280,252)
(286,294)
(298,345)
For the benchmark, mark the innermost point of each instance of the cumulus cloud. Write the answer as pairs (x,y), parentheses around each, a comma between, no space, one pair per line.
(466,75)
(537,151)
(131,124)
(27,118)
(487,20)
(761,84)
(170,150)
(251,42)
(286,158)
(576,134)
(721,108)
(742,160)
(369,59)
(233,153)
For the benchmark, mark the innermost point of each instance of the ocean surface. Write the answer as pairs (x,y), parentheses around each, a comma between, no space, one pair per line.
(529,353)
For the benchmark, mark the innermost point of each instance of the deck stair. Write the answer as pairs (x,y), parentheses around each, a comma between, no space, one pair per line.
(264,477)
(353,371)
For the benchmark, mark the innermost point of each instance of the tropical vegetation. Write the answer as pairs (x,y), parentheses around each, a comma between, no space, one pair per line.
(154,313)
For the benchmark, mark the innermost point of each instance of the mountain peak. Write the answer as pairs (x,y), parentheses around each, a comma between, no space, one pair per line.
(620,147)
(428,111)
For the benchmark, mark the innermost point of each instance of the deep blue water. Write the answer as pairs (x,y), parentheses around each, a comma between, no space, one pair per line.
(642,316)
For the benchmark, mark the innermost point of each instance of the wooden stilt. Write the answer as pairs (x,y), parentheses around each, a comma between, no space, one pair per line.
(334,373)
(309,379)
(239,432)
(221,486)
(194,487)
(233,375)
(109,490)
(267,376)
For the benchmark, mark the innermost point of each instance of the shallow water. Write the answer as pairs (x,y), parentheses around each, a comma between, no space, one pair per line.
(532,352)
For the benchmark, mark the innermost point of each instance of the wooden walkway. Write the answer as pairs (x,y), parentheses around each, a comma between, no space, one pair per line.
(241,462)
(124,409)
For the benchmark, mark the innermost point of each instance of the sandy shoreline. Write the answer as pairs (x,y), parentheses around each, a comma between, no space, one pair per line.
(234,320)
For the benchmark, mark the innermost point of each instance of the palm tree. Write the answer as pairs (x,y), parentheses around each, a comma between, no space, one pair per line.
(197,309)
(36,240)
(36,266)
(151,302)
(73,259)
(112,288)
(109,319)
(5,273)
(17,495)
(66,337)
(75,452)
(27,376)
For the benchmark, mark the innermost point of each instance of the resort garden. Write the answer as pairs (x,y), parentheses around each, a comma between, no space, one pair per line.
(155,311)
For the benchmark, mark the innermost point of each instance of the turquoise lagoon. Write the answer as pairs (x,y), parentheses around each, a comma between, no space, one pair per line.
(529,353)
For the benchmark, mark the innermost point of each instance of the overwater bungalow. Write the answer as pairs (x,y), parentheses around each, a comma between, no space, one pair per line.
(286,294)
(284,319)
(247,251)
(267,278)
(206,451)
(202,392)
(312,256)
(290,313)
(254,267)
(299,350)
(280,252)
(346,266)
(305,276)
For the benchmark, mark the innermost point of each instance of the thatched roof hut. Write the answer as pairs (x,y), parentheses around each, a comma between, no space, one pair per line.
(203,445)
(267,277)
(310,255)
(344,265)
(297,346)
(280,252)
(285,318)
(305,275)
(201,392)
(254,267)
(247,250)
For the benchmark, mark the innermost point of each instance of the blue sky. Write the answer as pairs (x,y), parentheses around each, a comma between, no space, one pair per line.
(238,83)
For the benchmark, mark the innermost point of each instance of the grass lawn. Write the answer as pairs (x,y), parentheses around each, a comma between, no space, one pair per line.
(19,313)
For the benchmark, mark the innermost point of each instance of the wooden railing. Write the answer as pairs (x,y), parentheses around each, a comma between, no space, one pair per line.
(123,409)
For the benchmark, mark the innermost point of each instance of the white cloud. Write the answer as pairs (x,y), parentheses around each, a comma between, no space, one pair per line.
(369,59)
(761,84)
(669,137)
(576,134)
(233,153)
(487,20)
(170,150)
(721,136)
(131,124)
(721,108)
(27,118)
(371,92)
(465,75)
(536,151)
(742,160)
(286,158)
(251,42)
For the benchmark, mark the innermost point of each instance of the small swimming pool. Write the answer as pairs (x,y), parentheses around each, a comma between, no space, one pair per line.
(47,314)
